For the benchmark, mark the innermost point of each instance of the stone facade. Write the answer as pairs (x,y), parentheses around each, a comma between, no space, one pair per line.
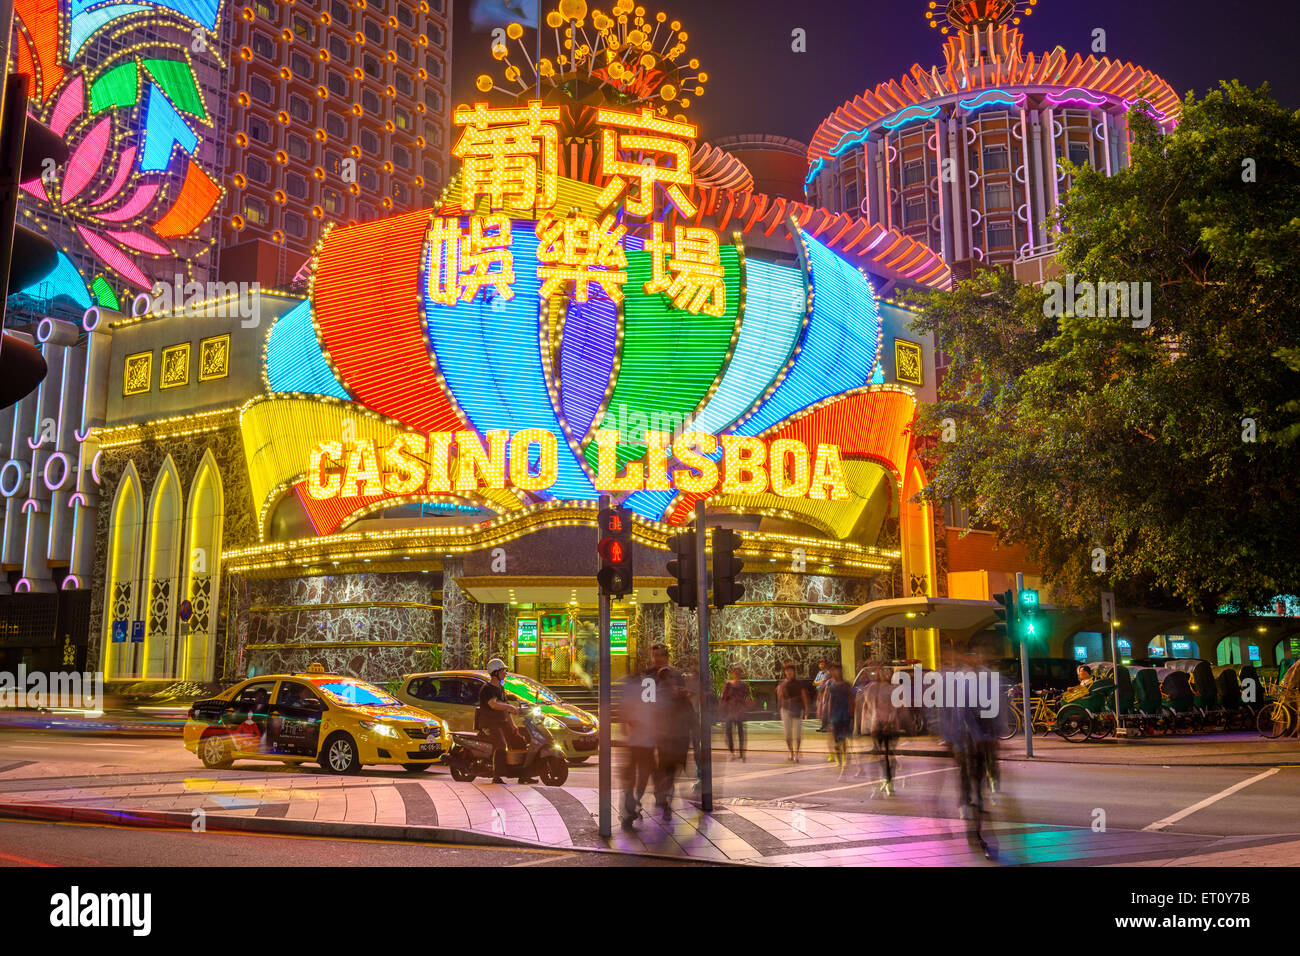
(384,624)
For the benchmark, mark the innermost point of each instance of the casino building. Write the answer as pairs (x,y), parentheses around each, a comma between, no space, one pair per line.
(597,286)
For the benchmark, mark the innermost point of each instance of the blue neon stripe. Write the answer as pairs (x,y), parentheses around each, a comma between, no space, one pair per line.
(839,346)
(84,25)
(200,11)
(294,362)
(489,355)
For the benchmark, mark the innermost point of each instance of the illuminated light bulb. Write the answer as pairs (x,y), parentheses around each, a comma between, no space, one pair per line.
(484,83)
(555,19)
(499,51)
(514,31)
(699,91)
(702,77)
(668,92)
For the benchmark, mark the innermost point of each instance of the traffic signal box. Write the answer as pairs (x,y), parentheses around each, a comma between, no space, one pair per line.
(726,590)
(682,567)
(615,547)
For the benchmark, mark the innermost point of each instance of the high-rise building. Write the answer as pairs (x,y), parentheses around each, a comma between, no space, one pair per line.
(338,114)
(968,157)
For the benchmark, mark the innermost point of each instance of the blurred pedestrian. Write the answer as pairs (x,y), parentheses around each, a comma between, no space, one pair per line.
(972,738)
(792,702)
(676,725)
(819,688)
(881,720)
(839,714)
(736,702)
(638,713)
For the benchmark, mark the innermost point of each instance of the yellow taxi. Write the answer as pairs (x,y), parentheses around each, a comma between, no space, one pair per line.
(338,722)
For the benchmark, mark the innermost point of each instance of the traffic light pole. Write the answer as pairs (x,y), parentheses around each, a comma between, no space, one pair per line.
(1013,619)
(704,751)
(605,768)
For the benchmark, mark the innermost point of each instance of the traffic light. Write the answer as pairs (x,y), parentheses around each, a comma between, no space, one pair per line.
(1026,605)
(726,590)
(682,567)
(1006,614)
(28,150)
(615,547)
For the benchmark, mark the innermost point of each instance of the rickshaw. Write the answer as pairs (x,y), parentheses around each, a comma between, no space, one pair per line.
(1179,701)
(1234,713)
(1090,713)
(1148,702)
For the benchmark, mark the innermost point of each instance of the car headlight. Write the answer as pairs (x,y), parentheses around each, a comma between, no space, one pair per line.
(550,723)
(378,727)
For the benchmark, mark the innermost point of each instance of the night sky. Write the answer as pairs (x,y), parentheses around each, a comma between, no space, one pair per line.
(757,85)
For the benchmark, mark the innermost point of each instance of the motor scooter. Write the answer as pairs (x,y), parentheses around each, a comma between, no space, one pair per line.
(473,754)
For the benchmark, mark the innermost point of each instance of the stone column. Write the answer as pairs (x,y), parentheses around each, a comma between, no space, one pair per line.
(647,626)
(457,617)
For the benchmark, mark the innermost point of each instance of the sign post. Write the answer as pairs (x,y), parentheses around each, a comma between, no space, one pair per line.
(704,751)
(605,776)
(1013,616)
(1108,615)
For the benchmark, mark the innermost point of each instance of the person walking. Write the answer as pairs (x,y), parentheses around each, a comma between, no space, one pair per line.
(792,702)
(676,729)
(839,714)
(819,689)
(880,719)
(736,701)
(638,712)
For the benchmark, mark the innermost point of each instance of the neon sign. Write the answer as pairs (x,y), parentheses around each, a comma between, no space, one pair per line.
(465,462)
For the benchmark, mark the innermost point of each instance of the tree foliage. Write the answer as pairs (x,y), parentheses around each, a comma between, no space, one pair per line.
(1077,433)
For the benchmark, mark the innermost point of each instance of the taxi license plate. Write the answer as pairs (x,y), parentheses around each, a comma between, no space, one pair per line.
(430,748)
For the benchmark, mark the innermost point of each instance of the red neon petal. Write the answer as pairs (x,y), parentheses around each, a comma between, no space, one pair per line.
(124,166)
(137,204)
(86,159)
(139,242)
(71,102)
(114,258)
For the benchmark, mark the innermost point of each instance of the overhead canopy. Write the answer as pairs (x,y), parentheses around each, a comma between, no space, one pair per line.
(947,614)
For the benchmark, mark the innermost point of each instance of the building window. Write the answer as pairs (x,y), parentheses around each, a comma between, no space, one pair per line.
(259,129)
(404,15)
(997,196)
(438,6)
(294,225)
(338,83)
(304,29)
(298,146)
(333,161)
(302,65)
(372,66)
(433,134)
(263,45)
(432,172)
(401,118)
(400,194)
(913,173)
(404,49)
(433,99)
(1000,235)
(255,211)
(433,64)
(370,102)
(369,142)
(1080,155)
(403,83)
(260,90)
(335,125)
(265,10)
(257,170)
(341,12)
(914,210)
(299,108)
(373,31)
(436,36)
(995,158)
(295,184)
(332,202)
(401,158)
(368,178)
(340,49)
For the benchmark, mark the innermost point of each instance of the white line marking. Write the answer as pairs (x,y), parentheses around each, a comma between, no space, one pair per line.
(545,859)
(1175,817)
(867,783)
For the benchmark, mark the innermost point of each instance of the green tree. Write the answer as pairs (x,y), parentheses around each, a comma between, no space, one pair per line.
(1166,446)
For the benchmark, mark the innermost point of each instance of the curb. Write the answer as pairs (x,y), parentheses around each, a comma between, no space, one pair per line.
(221,823)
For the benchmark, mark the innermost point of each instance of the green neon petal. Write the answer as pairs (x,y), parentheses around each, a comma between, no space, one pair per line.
(118,87)
(670,359)
(104,294)
(177,80)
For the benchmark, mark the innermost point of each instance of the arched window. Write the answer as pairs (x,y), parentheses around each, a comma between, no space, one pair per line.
(204,516)
(126,522)
(162,561)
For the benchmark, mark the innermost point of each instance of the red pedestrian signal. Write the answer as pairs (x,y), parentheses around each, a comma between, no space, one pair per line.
(615,550)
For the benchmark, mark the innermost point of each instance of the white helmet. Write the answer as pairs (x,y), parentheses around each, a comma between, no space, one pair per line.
(496,664)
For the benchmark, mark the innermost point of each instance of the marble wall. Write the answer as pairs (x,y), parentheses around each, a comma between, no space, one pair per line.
(353,610)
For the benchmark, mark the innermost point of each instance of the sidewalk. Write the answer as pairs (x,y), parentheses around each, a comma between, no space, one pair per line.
(433,808)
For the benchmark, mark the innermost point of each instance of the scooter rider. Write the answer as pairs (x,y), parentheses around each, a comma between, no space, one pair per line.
(494,719)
